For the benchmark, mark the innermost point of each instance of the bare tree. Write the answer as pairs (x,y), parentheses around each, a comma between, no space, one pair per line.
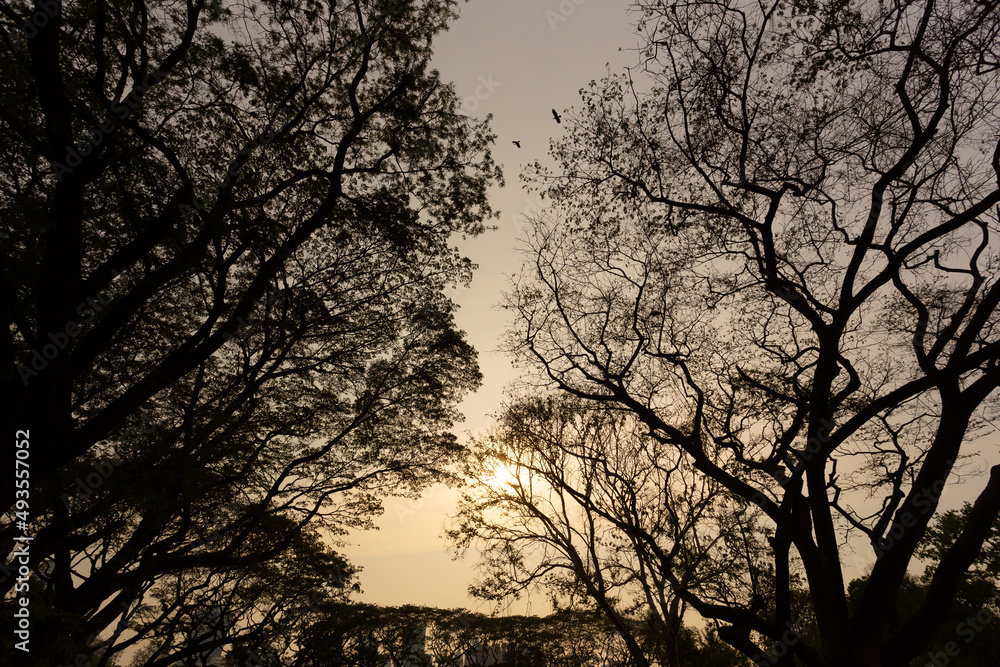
(776,246)
(584,505)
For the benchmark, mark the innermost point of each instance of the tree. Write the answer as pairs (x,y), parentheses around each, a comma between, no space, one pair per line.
(705,649)
(360,634)
(344,633)
(254,614)
(581,503)
(970,636)
(982,577)
(775,245)
(227,242)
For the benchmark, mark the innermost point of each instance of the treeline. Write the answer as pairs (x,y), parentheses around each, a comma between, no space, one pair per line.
(341,633)
(365,635)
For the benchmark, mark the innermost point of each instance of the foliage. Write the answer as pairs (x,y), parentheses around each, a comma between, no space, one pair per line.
(343,633)
(228,235)
(705,649)
(983,574)
(363,634)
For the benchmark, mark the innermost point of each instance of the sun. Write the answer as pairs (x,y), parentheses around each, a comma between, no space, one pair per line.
(501,476)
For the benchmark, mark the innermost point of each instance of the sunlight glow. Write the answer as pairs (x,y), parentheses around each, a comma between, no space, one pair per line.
(501,476)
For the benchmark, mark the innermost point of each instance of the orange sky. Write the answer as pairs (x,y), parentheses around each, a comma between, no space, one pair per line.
(515,59)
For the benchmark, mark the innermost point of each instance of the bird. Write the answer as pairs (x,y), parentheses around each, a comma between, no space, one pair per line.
(516,143)
(556,116)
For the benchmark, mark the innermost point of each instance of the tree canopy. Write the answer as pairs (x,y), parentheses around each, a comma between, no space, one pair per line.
(775,244)
(228,232)
(410,636)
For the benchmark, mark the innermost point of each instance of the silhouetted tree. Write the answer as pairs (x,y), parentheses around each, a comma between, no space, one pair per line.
(776,245)
(364,634)
(971,635)
(705,649)
(361,634)
(581,503)
(226,246)
(254,613)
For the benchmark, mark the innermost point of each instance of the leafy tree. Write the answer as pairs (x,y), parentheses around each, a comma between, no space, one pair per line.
(359,634)
(775,244)
(585,637)
(581,503)
(982,577)
(191,616)
(705,649)
(363,634)
(971,628)
(227,232)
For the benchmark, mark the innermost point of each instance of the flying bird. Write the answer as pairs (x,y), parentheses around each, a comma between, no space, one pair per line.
(516,143)
(556,116)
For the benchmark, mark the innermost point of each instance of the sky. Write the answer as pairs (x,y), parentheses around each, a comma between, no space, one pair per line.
(516,60)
